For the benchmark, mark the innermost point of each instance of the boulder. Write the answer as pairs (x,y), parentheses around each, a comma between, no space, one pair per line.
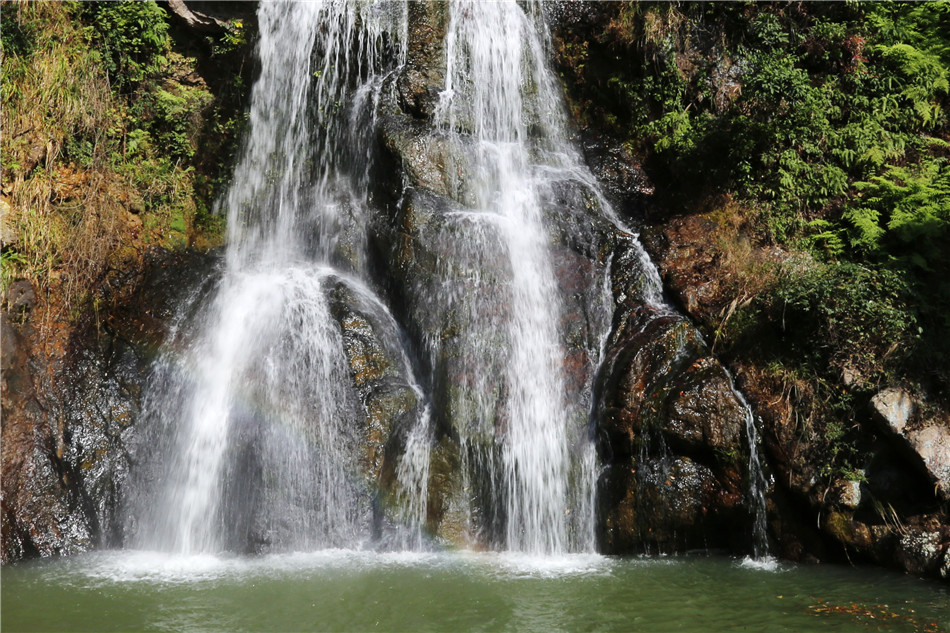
(895,407)
(922,552)
(19,299)
(928,440)
(847,493)
(932,443)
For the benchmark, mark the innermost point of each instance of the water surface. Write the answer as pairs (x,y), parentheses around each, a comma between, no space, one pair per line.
(346,590)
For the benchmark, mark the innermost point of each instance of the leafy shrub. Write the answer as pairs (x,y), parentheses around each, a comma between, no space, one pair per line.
(845,315)
(828,122)
(177,116)
(134,36)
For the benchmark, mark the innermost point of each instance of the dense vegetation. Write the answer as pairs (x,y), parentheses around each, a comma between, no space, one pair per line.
(112,141)
(819,131)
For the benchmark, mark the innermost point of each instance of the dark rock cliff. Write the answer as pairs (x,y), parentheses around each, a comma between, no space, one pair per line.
(71,398)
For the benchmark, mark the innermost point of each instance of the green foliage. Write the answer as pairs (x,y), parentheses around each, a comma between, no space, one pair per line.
(821,317)
(134,36)
(918,79)
(11,263)
(844,314)
(17,38)
(829,122)
(234,39)
(176,114)
(901,219)
(922,25)
(904,213)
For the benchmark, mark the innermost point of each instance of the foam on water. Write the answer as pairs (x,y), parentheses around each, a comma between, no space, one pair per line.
(522,565)
(134,566)
(142,566)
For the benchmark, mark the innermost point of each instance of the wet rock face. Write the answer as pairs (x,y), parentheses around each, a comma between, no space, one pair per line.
(704,413)
(36,516)
(672,440)
(419,85)
(621,175)
(378,372)
(429,255)
(672,504)
(71,394)
(898,497)
(427,238)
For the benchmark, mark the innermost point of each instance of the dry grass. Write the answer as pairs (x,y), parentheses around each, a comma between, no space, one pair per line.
(751,267)
(86,182)
(746,270)
(65,219)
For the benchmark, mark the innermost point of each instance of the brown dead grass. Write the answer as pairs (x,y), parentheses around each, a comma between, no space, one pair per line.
(67,219)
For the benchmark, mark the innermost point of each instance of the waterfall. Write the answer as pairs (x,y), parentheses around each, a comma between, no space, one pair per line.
(259,406)
(500,99)
(272,424)
(758,485)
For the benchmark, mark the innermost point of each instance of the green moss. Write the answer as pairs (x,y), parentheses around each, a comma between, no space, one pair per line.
(839,526)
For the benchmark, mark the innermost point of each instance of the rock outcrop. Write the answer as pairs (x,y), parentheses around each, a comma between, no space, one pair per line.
(71,398)
(925,439)
(893,510)
(673,438)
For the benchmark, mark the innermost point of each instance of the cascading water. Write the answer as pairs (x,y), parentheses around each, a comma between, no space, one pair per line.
(499,100)
(262,413)
(758,485)
(262,420)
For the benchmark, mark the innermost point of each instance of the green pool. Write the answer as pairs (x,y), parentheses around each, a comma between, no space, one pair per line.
(461,591)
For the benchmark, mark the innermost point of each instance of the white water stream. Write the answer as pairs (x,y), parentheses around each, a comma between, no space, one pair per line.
(265,445)
(494,61)
(261,413)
